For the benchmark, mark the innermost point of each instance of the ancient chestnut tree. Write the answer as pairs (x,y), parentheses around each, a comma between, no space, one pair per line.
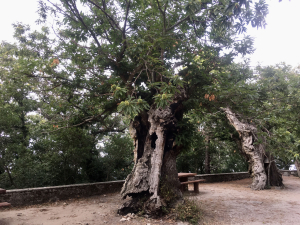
(152,60)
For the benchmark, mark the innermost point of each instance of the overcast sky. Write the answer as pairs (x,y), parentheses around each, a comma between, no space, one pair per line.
(279,42)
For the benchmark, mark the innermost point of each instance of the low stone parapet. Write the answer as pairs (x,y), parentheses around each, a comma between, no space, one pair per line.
(221,177)
(31,196)
(289,172)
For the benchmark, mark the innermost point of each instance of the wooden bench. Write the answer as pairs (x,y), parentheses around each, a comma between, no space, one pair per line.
(4,204)
(184,185)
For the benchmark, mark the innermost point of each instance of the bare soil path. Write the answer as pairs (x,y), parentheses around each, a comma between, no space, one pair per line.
(235,203)
(222,203)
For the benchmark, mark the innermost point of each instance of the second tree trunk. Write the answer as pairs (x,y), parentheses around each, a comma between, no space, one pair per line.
(259,160)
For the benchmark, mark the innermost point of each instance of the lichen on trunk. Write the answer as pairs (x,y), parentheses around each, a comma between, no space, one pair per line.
(153,182)
(259,159)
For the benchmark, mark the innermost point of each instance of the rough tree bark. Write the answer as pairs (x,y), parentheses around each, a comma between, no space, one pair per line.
(243,154)
(153,182)
(297,164)
(256,154)
(207,156)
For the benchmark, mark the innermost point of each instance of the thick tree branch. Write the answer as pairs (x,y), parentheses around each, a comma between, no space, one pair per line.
(111,20)
(126,18)
(181,21)
(77,14)
(131,76)
(63,12)
(163,13)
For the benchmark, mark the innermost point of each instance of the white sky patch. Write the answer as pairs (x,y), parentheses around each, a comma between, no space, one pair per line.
(277,43)
(13,11)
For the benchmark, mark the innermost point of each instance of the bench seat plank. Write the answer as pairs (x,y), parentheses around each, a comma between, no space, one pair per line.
(4,204)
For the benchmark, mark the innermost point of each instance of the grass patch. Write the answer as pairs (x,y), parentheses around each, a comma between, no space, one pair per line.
(188,211)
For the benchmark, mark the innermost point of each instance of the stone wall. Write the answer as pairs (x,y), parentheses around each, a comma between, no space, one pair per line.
(289,172)
(220,177)
(31,196)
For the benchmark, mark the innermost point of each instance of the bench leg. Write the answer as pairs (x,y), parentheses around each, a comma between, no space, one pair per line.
(196,187)
(184,187)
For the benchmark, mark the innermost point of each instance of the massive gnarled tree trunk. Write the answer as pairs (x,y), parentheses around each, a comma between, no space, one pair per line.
(153,182)
(262,165)
(297,164)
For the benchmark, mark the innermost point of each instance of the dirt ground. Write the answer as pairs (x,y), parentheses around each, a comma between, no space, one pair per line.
(221,203)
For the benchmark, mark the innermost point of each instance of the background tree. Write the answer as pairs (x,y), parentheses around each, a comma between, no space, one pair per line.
(117,157)
(224,154)
(281,83)
(263,104)
(16,102)
(35,151)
